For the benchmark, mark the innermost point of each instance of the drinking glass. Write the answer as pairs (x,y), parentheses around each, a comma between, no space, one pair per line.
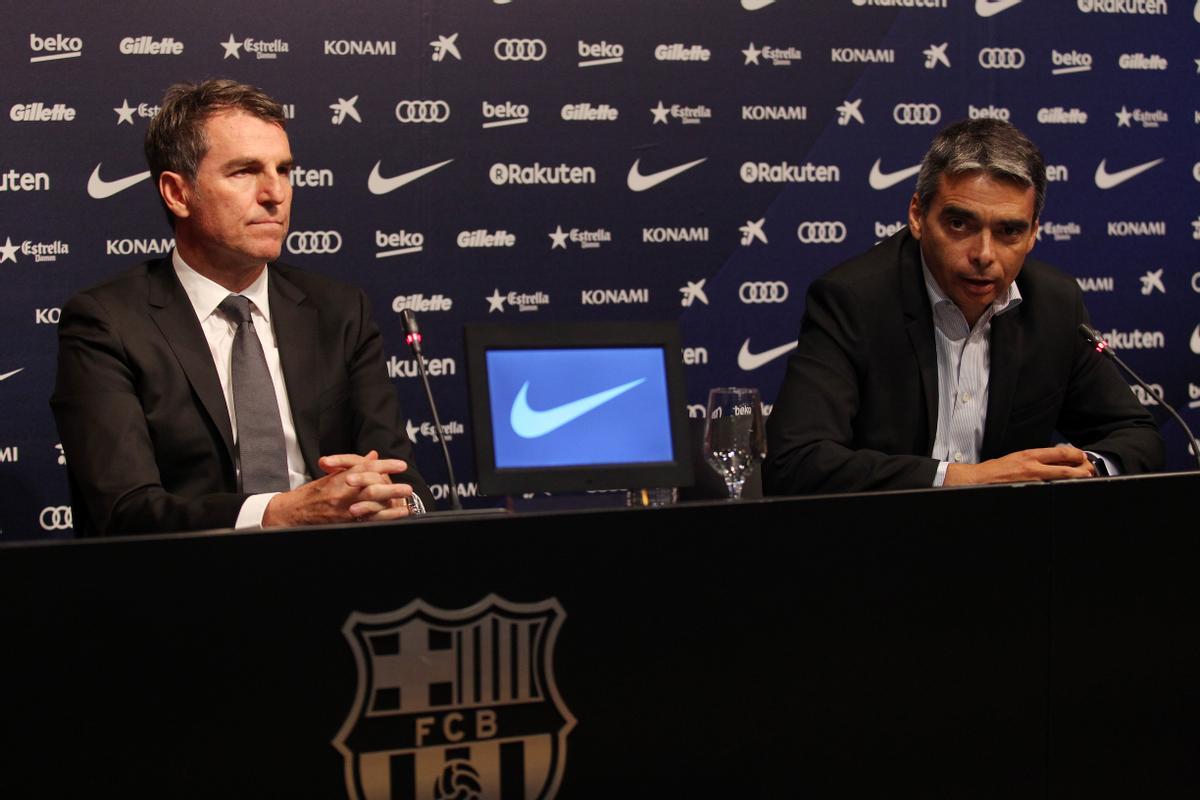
(734,440)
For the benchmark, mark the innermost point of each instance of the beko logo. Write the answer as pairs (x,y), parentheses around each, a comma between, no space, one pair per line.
(421,303)
(1136,339)
(776,56)
(1060,231)
(763,292)
(822,232)
(989,112)
(13,181)
(587,240)
(130,247)
(901,3)
(916,114)
(41,251)
(481,238)
(660,235)
(262,48)
(595,55)
(886,229)
(1062,116)
(606,297)
(400,243)
(536,174)
(1139,228)
(688,115)
(862,55)
(1070,62)
(1105,284)
(1122,6)
(502,114)
(522,301)
(422,111)
(586,112)
(519,49)
(408,368)
(681,52)
(347,47)
(314,242)
(784,172)
(1001,58)
(40,112)
(56,518)
(761,113)
(302,178)
(149,46)
(55,47)
(1141,61)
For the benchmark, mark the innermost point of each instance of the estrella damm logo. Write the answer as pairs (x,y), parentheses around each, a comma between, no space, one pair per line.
(455,703)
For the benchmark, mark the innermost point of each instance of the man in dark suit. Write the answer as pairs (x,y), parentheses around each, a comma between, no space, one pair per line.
(942,357)
(218,388)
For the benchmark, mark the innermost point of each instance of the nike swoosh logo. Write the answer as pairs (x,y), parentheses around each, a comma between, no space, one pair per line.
(755,5)
(1195,342)
(751,361)
(990,8)
(378,184)
(8,375)
(640,183)
(530,424)
(881,180)
(1107,180)
(100,188)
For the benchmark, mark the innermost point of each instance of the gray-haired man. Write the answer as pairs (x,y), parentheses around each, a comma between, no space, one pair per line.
(943,357)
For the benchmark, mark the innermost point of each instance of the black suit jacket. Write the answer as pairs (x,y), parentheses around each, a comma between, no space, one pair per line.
(144,423)
(858,407)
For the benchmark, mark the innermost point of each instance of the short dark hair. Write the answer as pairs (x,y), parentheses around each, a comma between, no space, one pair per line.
(175,139)
(988,145)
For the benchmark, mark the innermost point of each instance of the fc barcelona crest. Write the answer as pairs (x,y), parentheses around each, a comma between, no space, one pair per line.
(455,703)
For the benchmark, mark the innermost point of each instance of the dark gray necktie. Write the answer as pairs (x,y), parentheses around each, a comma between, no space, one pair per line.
(262,454)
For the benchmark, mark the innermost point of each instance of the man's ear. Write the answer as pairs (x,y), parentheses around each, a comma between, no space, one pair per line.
(914,216)
(176,193)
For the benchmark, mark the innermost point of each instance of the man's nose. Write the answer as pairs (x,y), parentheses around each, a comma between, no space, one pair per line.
(984,251)
(273,188)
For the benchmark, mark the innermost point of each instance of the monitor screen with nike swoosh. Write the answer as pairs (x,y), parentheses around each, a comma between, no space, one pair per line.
(569,407)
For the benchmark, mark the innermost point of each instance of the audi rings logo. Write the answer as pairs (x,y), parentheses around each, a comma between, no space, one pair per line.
(314,243)
(821,232)
(422,111)
(917,114)
(520,49)
(56,518)
(1001,58)
(763,292)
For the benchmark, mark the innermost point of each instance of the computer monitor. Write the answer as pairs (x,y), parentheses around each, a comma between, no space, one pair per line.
(564,407)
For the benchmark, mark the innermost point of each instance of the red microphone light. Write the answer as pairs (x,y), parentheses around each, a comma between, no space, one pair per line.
(408,339)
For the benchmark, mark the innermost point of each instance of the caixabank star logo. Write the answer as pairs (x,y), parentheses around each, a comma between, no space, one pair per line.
(455,703)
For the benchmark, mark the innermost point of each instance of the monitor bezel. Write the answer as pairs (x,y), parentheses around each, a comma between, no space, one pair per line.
(481,337)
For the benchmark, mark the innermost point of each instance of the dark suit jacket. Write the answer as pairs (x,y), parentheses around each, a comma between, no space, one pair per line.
(858,407)
(144,424)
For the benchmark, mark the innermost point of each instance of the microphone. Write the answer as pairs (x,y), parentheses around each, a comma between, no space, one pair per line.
(1096,340)
(413,338)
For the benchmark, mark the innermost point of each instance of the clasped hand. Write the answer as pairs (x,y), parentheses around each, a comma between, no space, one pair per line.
(355,489)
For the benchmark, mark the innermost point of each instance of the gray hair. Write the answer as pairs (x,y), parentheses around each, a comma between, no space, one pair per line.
(988,145)
(175,139)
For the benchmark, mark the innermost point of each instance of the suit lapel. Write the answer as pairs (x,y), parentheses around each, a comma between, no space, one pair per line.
(918,324)
(296,334)
(172,312)
(1004,355)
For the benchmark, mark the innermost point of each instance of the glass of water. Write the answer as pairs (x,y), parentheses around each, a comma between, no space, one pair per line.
(734,440)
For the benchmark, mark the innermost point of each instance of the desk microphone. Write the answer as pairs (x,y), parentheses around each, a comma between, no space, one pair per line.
(1096,340)
(413,338)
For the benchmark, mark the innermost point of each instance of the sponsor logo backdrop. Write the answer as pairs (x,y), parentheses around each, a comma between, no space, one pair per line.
(615,160)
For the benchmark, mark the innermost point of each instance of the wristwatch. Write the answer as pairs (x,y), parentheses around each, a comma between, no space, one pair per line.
(1098,463)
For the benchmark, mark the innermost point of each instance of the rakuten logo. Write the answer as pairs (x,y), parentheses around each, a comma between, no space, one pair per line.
(900,3)
(40,112)
(681,52)
(149,46)
(131,247)
(1122,6)
(1062,116)
(1141,61)
(13,181)
(408,368)
(598,54)
(55,47)
(502,114)
(421,303)
(538,175)
(1070,62)
(1136,339)
(300,177)
(1057,173)
(762,172)
(481,238)
(401,243)
(586,112)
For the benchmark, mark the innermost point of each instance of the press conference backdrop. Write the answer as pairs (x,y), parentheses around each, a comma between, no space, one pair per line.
(617,159)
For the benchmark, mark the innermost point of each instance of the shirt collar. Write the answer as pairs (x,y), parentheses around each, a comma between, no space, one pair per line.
(206,294)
